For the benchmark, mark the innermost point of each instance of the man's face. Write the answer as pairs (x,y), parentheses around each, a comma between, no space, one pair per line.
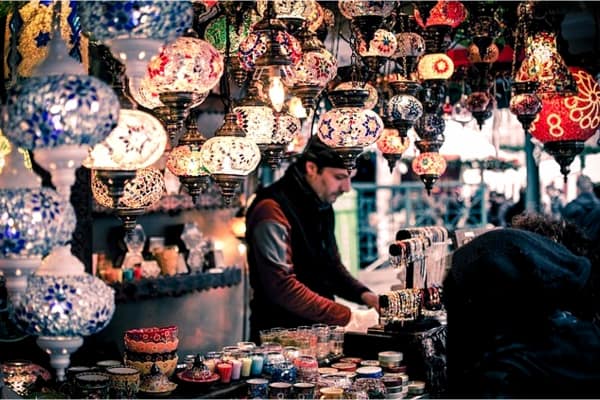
(329,183)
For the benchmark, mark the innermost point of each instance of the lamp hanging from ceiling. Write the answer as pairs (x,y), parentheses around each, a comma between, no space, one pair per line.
(182,75)
(314,71)
(184,160)
(566,122)
(134,31)
(347,128)
(139,193)
(392,145)
(271,52)
(403,109)
(60,112)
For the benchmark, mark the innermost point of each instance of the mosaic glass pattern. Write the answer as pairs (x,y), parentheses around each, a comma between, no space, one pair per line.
(230,155)
(161,20)
(33,221)
(186,65)
(142,191)
(349,127)
(62,109)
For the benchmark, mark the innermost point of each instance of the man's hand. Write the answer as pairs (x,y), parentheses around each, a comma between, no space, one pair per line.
(371,300)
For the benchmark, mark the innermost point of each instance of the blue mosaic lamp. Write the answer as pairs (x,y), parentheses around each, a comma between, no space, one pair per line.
(60,308)
(59,113)
(135,30)
(33,219)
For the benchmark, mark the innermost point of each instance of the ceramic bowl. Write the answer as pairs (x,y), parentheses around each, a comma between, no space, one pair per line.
(140,346)
(91,385)
(153,334)
(167,365)
(156,383)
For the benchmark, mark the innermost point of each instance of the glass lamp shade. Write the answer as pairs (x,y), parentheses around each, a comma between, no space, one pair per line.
(392,145)
(184,160)
(357,8)
(138,141)
(349,127)
(316,67)
(478,101)
(63,300)
(186,65)
(258,122)
(216,36)
(566,122)
(437,66)
(409,44)
(256,44)
(403,109)
(429,166)
(135,30)
(489,54)
(46,112)
(445,12)
(383,44)
(373,98)
(315,15)
(32,222)
(543,64)
(287,127)
(230,156)
(431,127)
(145,189)
(524,103)
(284,8)
(145,94)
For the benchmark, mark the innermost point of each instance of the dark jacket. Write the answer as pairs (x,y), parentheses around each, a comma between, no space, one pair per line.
(511,298)
(295,267)
(577,210)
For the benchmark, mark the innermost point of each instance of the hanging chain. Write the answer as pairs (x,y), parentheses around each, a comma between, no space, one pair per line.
(225,89)
(520,35)
(355,75)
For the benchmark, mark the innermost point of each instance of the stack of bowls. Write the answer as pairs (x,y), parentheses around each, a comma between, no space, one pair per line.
(155,345)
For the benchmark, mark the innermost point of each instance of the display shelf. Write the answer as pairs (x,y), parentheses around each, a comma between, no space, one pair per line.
(168,286)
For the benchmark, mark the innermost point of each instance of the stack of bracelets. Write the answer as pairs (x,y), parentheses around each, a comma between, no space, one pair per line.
(408,304)
(411,244)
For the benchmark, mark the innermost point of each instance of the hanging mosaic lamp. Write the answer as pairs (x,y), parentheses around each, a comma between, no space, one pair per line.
(524,103)
(544,65)
(348,127)
(391,145)
(139,193)
(566,122)
(478,104)
(429,165)
(403,109)
(185,163)
(314,71)
(60,112)
(182,75)
(229,157)
(409,47)
(134,31)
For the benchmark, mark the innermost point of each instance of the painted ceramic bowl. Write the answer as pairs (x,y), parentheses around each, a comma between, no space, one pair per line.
(140,346)
(124,382)
(153,334)
(167,362)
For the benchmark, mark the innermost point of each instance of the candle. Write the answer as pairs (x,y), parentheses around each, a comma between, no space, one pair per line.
(246,366)
(224,370)
(236,369)
(257,364)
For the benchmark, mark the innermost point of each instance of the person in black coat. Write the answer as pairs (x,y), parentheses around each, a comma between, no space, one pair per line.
(523,316)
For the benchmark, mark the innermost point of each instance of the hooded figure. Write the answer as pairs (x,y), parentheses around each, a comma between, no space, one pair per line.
(513,298)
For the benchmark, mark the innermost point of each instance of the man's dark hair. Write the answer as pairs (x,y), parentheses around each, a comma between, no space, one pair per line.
(321,154)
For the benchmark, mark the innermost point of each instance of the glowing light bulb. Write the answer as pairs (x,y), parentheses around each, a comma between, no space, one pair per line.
(276,93)
(296,108)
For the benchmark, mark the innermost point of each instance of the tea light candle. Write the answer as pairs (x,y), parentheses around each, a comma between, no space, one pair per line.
(246,366)
(224,370)
(257,364)
(137,272)
(236,369)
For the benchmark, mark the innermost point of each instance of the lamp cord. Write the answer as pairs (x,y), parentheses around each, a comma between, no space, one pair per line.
(224,85)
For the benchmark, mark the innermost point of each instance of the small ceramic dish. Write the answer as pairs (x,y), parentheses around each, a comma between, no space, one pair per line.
(156,383)
(214,377)
(153,334)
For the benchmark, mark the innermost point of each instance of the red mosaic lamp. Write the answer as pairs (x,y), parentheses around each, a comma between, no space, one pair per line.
(566,122)
(392,145)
